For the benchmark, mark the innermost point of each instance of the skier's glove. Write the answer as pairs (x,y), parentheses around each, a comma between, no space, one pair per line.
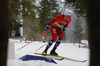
(64,28)
(43,39)
(45,31)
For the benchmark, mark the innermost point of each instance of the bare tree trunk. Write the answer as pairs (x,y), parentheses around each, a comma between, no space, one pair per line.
(93,15)
(4,27)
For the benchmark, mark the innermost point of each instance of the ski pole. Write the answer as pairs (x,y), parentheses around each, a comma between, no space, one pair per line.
(41,46)
(24,46)
(43,40)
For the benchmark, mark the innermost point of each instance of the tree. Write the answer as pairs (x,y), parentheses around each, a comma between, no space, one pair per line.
(48,10)
(85,34)
(30,22)
(31,29)
(78,6)
(28,9)
(13,13)
(79,9)
(77,30)
(22,9)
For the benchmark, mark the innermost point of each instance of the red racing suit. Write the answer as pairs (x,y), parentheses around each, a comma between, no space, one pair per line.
(56,28)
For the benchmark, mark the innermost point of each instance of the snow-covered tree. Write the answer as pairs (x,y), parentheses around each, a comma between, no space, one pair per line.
(77,32)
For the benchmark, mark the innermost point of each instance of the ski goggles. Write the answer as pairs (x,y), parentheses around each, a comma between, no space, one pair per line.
(69,15)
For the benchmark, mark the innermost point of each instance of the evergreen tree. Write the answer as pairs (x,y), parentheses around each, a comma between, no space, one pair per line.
(48,10)
(14,6)
(85,35)
(77,33)
(78,6)
(28,9)
(30,24)
(22,9)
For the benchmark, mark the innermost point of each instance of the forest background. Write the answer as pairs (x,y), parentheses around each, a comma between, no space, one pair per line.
(33,16)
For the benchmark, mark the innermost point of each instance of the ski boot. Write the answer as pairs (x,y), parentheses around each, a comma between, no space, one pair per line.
(44,52)
(53,53)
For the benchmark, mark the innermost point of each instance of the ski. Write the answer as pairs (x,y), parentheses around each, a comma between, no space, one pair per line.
(61,57)
(56,58)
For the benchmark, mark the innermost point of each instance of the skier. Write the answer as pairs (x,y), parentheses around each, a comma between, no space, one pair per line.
(57,30)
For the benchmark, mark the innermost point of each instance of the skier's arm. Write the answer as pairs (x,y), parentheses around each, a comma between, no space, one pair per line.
(64,28)
(46,29)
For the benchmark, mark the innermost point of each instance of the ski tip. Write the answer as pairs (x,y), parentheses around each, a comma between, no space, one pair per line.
(85,60)
(61,59)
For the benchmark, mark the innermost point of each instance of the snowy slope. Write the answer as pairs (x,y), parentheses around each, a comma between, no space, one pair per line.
(65,49)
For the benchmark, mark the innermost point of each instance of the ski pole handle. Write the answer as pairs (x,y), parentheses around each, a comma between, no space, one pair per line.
(44,33)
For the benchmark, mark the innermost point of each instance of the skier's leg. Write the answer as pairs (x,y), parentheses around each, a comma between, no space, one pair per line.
(60,35)
(55,47)
(48,46)
(58,43)
(54,38)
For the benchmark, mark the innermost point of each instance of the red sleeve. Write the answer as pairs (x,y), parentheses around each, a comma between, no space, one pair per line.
(68,22)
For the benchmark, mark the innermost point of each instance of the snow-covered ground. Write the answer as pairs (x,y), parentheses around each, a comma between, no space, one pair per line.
(65,49)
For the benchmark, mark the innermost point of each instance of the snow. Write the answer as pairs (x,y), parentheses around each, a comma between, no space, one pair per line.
(65,49)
